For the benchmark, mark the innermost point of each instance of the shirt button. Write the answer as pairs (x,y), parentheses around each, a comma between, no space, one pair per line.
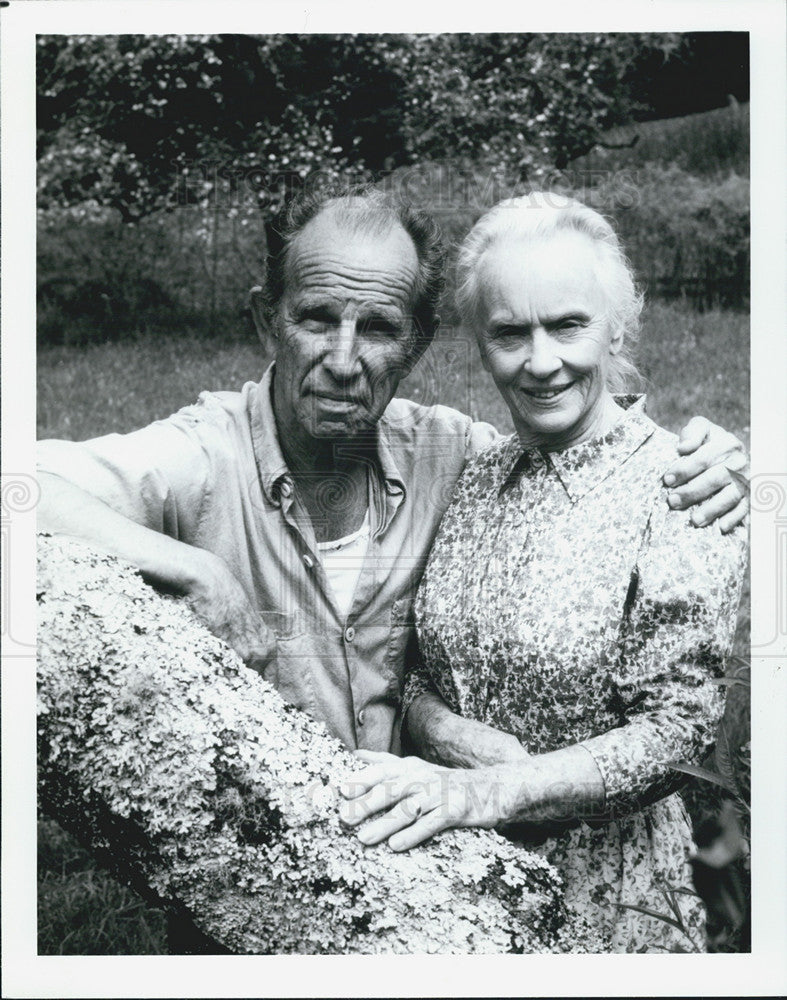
(308,562)
(285,489)
(361,717)
(349,634)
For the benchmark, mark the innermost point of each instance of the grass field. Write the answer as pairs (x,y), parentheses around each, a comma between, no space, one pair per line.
(694,363)
(710,143)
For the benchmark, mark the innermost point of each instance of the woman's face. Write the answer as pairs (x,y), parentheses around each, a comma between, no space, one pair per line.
(545,338)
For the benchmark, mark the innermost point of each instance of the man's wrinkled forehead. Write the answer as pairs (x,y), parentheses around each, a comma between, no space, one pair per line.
(356,249)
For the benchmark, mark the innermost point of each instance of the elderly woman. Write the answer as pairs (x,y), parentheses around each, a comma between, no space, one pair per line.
(570,624)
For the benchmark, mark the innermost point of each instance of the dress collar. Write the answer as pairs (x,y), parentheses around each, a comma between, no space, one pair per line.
(582,467)
(268,454)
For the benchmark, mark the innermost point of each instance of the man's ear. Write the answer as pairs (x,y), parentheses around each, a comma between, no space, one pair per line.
(419,348)
(481,351)
(258,314)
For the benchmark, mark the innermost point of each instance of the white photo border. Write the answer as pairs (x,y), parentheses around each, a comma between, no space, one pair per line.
(764,971)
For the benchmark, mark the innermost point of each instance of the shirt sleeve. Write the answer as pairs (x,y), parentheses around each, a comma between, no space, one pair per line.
(676,635)
(157,476)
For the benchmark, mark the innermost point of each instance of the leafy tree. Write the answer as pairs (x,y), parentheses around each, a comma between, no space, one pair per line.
(138,122)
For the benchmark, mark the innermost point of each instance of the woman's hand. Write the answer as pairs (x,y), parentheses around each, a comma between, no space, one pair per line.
(702,479)
(413,800)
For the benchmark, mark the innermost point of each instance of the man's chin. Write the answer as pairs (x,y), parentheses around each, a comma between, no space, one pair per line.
(344,427)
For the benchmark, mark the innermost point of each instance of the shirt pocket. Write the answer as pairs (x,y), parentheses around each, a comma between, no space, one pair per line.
(289,670)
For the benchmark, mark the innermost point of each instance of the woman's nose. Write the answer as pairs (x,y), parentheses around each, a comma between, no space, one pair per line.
(544,359)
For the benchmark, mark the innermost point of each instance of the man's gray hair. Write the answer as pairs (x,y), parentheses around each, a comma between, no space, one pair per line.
(362,209)
(539,216)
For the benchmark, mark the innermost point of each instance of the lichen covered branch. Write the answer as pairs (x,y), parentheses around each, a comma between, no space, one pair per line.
(187,774)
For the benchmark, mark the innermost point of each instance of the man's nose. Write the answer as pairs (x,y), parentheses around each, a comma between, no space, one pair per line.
(342,356)
(544,359)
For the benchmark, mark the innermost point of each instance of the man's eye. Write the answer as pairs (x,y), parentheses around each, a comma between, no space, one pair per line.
(315,319)
(380,326)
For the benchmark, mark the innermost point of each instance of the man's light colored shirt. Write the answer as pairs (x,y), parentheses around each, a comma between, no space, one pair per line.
(213,475)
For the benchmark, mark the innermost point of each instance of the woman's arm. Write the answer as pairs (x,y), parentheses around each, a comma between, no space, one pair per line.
(676,636)
(672,650)
(413,800)
(439,735)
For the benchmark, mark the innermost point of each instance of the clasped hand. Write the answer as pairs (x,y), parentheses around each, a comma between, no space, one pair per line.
(413,800)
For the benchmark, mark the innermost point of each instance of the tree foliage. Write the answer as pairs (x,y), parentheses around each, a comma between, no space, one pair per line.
(139,123)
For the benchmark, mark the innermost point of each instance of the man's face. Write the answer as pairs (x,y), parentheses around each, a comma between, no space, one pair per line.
(345,333)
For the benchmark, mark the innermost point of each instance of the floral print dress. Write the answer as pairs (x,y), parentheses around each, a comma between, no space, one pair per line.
(564,602)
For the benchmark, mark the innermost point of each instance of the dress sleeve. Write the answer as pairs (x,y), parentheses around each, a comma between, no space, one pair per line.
(676,635)
(417,682)
(157,476)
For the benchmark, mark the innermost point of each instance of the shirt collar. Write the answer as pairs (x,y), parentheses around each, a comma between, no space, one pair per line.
(268,454)
(267,450)
(582,467)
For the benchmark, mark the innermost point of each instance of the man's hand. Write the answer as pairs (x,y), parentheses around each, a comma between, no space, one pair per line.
(702,478)
(204,579)
(218,599)
(415,800)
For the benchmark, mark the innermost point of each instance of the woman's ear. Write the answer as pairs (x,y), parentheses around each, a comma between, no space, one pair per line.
(616,341)
(258,314)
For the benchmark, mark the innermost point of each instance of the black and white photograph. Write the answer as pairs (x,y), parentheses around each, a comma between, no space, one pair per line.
(401,511)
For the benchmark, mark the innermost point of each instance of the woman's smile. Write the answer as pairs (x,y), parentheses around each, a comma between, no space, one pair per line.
(545,395)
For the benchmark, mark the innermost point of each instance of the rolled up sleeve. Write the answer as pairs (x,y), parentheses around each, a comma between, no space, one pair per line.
(157,476)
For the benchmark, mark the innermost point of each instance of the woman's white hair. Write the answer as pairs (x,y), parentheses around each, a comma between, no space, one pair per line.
(539,216)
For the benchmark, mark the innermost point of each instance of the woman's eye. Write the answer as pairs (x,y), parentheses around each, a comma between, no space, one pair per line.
(569,326)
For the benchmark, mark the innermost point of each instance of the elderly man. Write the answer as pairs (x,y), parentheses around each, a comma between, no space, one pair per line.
(296,514)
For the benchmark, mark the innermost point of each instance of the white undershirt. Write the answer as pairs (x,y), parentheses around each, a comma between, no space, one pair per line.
(342,561)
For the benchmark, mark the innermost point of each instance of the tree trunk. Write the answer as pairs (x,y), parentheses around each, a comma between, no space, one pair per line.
(188,776)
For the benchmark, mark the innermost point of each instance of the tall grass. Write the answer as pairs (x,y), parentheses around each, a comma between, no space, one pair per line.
(709,144)
(693,363)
